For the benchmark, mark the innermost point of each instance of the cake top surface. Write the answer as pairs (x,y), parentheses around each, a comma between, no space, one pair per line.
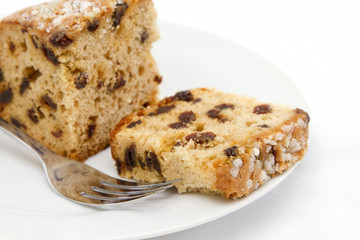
(64,15)
(203,119)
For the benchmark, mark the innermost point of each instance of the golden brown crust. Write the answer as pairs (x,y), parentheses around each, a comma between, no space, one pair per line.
(72,17)
(235,187)
(125,120)
(57,25)
(229,186)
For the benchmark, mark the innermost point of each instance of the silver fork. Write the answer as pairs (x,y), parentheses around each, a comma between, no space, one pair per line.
(81,183)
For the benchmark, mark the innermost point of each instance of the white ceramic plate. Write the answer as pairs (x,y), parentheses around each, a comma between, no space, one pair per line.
(187,58)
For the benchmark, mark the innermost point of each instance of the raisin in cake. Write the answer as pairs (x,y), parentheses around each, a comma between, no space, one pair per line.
(71,69)
(217,143)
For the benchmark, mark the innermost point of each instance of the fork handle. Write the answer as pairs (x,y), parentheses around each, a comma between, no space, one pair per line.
(20,135)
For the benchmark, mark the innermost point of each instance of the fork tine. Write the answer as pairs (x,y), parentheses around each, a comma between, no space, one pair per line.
(127,193)
(62,172)
(140,187)
(114,199)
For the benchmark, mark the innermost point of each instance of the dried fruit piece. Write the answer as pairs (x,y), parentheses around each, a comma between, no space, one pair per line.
(81,81)
(92,26)
(12,47)
(16,123)
(1,75)
(119,12)
(231,151)
(60,40)
(57,133)
(152,161)
(213,113)
(24,85)
(133,124)
(225,106)
(91,130)
(187,117)
(50,55)
(6,96)
(163,109)
(130,157)
(224,119)
(148,160)
(141,162)
(178,143)
(262,109)
(32,115)
(118,165)
(201,138)
(146,104)
(48,101)
(120,82)
(155,162)
(197,100)
(158,79)
(184,96)
(177,125)
(144,36)
(100,84)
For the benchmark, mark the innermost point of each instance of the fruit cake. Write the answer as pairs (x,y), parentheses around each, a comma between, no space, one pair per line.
(217,143)
(71,69)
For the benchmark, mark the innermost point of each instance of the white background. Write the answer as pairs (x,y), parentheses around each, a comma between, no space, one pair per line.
(317,43)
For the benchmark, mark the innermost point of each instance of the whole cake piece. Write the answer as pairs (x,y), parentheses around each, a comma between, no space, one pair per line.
(71,69)
(217,143)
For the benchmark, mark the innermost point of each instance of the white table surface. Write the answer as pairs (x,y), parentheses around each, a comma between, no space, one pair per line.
(317,43)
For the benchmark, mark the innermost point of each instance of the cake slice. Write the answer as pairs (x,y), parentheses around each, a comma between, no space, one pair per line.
(217,143)
(71,69)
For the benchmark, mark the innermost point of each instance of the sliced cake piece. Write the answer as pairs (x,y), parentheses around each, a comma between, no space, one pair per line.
(71,69)
(217,143)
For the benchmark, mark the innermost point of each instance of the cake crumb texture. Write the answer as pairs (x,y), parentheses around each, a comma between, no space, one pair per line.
(218,143)
(71,69)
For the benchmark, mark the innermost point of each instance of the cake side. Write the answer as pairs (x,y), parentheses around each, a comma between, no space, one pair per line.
(70,70)
(264,156)
(217,143)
